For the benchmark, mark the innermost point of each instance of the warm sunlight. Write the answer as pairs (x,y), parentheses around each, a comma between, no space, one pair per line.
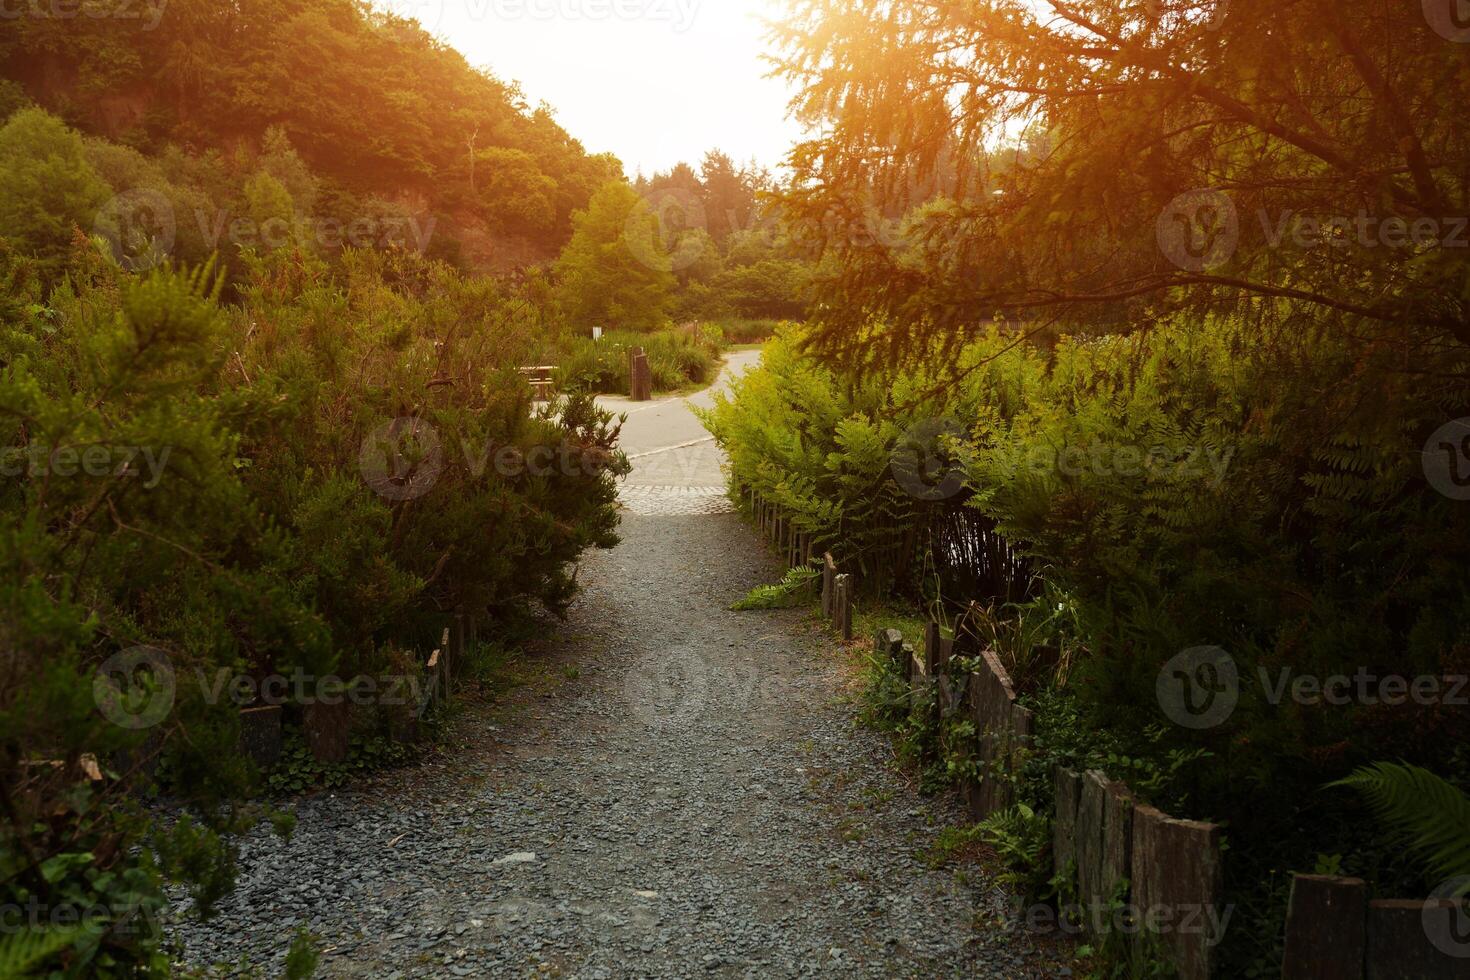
(485,493)
(692,68)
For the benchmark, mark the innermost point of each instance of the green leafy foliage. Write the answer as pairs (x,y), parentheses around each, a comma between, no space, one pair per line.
(615,272)
(1021,838)
(298,771)
(793,588)
(1217,482)
(677,358)
(819,446)
(1432,816)
(49,189)
(22,954)
(1098,165)
(302,958)
(239,523)
(377,108)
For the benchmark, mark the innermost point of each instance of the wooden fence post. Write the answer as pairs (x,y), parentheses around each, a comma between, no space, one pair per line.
(829,584)
(1326,928)
(932,641)
(446,667)
(641,376)
(843,620)
(888,645)
(1176,868)
(328,729)
(260,734)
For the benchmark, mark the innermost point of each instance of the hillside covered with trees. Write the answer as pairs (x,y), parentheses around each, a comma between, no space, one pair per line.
(388,122)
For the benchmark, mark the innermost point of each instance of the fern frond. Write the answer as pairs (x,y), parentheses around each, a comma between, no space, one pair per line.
(1430,813)
(786,592)
(23,953)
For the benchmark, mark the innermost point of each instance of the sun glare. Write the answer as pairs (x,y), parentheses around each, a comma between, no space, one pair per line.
(655,82)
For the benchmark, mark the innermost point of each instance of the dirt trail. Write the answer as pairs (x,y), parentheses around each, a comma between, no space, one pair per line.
(692,798)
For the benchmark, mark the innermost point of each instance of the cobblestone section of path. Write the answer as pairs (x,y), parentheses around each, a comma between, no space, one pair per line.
(696,801)
(675,501)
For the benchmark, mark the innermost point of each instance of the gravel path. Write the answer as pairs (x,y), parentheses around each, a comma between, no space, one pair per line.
(690,798)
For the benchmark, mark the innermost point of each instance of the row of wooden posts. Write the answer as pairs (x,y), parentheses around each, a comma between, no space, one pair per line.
(1117,854)
(1114,854)
(799,550)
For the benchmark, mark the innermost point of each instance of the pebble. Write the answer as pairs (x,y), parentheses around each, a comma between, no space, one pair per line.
(702,758)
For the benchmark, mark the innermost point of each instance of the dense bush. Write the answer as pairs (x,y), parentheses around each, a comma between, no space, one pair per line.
(816,447)
(1224,484)
(615,273)
(227,485)
(743,330)
(773,288)
(678,358)
(630,266)
(49,186)
(821,445)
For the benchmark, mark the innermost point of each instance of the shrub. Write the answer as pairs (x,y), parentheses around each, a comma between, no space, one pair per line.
(49,190)
(1224,483)
(820,446)
(677,358)
(263,528)
(739,330)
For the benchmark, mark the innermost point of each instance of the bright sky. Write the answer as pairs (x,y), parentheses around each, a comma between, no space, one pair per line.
(652,81)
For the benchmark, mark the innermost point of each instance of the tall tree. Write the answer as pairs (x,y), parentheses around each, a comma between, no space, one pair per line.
(48,191)
(729,199)
(615,271)
(1194,151)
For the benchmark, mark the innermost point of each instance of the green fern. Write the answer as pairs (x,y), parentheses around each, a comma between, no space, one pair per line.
(1433,815)
(1020,837)
(23,953)
(787,592)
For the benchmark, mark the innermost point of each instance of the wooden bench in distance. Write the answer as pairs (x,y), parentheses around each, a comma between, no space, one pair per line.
(541,380)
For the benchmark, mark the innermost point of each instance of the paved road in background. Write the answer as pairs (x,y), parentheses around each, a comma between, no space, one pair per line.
(676,464)
(668,445)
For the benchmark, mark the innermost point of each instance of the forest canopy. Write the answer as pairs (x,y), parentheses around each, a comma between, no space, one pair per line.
(374,105)
(1102,164)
